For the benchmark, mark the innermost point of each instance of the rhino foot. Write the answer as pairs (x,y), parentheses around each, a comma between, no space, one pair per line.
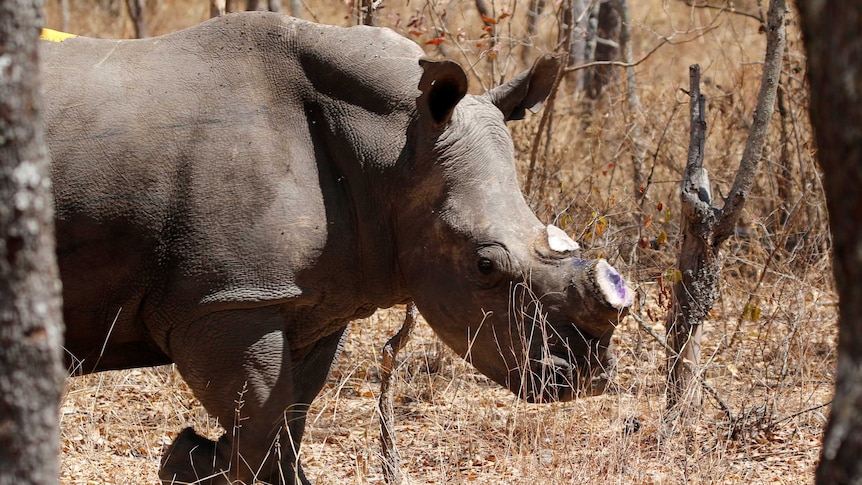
(192,459)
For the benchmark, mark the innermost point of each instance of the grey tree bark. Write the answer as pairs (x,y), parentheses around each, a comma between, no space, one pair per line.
(606,38)
(573,34)
(222,7)
(366,14)
(138,13)
(31,375)
(633,112)
(831,36)
(704,227)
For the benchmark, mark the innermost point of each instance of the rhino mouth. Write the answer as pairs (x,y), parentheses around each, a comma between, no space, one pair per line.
(581,366)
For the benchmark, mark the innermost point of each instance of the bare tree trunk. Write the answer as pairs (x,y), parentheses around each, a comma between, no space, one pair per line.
(138,12)
(607,48)
(296,8)
(264,5)
(221,7)
(31,376)
(634,107)
(64,15)
(573,31)
(366,12)
(831,36)
(217,8)
(705,227)
(784,180)
(232,6)
(695,286)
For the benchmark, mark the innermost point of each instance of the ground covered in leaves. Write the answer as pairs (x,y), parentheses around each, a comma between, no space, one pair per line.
(454,426)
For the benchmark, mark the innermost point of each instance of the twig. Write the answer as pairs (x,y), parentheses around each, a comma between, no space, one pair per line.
(620,63)
(724,9)
(386,404)
(781,242)
(440,24)
(800,413)
(664,41)
(658,145)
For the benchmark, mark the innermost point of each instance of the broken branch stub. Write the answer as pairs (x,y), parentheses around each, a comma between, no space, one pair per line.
(699,265)
(386,404)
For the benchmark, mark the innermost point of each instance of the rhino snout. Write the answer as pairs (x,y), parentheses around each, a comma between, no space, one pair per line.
(563,376)
(611,286)
(577,358)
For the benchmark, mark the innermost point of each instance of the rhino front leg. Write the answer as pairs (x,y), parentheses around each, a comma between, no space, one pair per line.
(238,365)
(309,376)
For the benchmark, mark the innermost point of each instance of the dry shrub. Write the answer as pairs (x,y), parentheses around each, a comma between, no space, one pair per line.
(769,343)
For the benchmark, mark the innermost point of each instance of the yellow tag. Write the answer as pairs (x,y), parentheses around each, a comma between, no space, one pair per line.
(55,35)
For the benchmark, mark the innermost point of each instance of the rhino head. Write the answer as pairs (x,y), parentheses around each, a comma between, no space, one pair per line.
(506,292)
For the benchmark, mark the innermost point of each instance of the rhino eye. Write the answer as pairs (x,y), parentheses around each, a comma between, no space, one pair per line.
(486,266)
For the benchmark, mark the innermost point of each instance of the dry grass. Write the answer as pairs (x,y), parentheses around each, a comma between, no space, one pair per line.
(769,345)
(454,426)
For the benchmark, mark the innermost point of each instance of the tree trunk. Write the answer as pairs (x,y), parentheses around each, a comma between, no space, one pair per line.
(831,36)
(784,178)
(695,283)
(573,32)
(295,8)
(638,150)
(366,13)
(704,227)
(607,48)
(31,376)
(138,12)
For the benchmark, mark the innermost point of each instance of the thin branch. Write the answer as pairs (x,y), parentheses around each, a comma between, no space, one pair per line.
(546,113)
(739,193)
(620,63)
(800,413)
(723,9)
(664,41)
(440,24)
(658,145)
(763,271)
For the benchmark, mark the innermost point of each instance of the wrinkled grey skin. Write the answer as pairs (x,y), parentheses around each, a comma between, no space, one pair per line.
(229,197)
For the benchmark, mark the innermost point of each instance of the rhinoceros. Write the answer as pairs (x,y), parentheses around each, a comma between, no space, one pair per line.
(229,197)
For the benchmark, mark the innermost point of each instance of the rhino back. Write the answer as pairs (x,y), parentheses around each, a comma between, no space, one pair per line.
(209,169)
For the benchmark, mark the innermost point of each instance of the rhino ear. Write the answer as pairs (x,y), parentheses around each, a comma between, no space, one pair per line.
(528,90)
(443,84)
